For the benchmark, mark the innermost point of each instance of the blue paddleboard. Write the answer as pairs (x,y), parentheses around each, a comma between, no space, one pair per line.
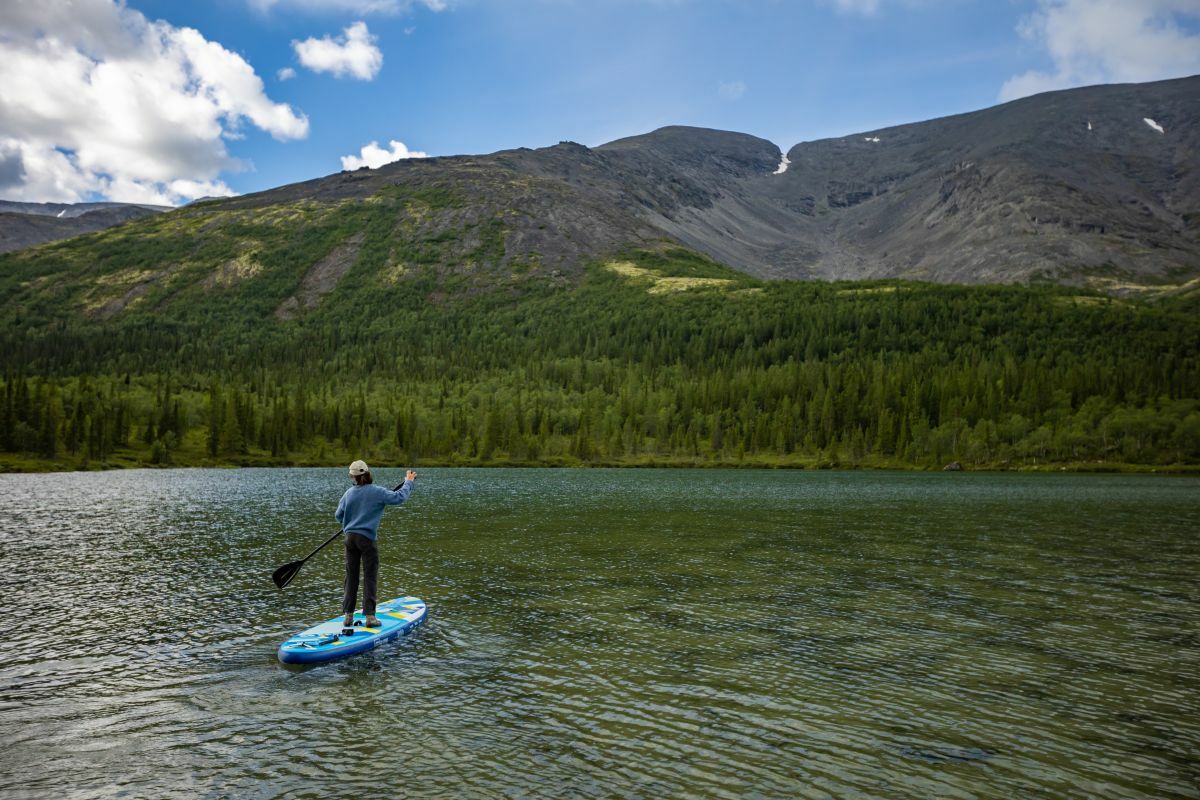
(329,640)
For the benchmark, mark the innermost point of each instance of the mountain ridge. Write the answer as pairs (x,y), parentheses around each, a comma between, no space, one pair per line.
(27,224)
(1095,185)
(1075,186)
(882,203)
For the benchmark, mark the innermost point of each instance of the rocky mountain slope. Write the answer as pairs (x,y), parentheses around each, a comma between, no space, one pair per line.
(1097,186)
(26,224)
(1095,182)
(1100,184)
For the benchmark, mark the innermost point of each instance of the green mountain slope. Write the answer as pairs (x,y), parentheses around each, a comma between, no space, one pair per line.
(284,254)
(400,326)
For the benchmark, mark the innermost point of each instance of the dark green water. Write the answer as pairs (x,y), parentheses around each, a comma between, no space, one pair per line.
(608,633)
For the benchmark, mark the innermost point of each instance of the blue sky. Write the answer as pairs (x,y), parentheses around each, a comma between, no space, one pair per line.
(448,77)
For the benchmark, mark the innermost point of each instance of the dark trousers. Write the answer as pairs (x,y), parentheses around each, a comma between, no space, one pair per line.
(361,550)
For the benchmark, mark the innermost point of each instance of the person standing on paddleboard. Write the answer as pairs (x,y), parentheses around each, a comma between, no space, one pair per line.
(359,512)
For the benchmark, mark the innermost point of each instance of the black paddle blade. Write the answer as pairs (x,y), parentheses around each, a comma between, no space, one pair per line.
(284,575)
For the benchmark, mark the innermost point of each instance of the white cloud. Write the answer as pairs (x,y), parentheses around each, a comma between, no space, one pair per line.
(96,99)
(731,90)
(865,7)
(359,7)
(352,6)
(353,53)
(374,156)
(286,74)
(1108,41)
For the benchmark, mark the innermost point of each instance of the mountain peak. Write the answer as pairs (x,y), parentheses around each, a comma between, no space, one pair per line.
(688,144)
(1094,185)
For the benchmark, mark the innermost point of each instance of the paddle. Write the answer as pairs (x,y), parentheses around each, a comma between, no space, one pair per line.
(284,575)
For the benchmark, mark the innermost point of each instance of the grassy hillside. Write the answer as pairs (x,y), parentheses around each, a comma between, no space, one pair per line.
(402,328)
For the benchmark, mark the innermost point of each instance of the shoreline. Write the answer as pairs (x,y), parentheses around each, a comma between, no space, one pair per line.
(17,465)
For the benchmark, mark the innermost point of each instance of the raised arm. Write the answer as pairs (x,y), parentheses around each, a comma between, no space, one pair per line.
(401,492)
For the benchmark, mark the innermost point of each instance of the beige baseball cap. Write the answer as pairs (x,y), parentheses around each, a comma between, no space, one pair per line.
(359,468)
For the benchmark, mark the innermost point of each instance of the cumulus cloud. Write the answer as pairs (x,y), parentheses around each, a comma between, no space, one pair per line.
(732,90)
(12,166)
(353,53)
(360,7)
(97,100)
(286,74)
(1108,41)
(373,156)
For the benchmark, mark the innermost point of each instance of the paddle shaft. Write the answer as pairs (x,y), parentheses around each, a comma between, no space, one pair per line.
(322,547)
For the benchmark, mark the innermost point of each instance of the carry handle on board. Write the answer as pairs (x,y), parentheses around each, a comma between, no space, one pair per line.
(284,575)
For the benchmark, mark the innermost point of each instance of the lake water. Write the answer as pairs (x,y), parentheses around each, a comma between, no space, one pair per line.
(608,633)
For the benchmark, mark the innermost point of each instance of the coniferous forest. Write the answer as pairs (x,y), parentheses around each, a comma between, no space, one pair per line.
(662,358)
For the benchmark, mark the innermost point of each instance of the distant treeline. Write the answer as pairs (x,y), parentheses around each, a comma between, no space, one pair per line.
(746,372)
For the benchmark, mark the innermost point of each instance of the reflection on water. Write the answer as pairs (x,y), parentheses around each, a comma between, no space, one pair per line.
(609,633)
